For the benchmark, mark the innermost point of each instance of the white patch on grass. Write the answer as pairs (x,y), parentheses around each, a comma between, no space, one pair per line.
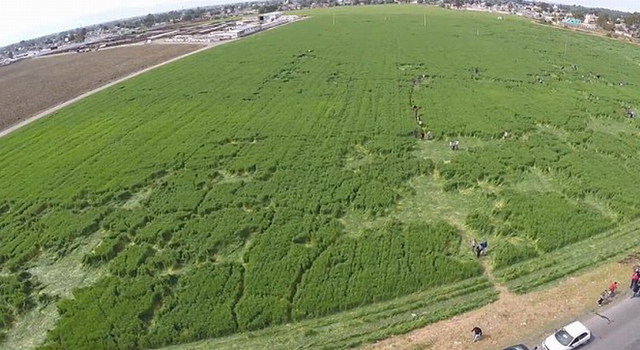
(355,223)
(601,206)
(227,177)
(59,278)
(613,127)
(137,198)
(358,158)
(537,181)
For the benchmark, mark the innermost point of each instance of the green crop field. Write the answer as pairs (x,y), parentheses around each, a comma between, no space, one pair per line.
(270,193)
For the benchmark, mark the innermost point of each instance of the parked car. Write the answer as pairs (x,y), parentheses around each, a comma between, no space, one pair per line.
(569,337)
(517,347)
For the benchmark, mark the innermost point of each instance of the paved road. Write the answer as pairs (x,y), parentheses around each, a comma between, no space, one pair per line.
(615,326)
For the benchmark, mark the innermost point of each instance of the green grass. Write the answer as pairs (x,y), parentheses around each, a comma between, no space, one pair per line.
(531,275)
(274,183)
(57,278)
(363,325)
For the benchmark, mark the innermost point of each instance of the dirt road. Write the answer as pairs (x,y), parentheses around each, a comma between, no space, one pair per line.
(514,317)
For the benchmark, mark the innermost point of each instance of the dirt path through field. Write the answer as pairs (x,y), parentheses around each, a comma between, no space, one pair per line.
(514,317)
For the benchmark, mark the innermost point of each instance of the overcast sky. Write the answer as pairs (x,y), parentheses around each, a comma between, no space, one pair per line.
(622,5)
(27,19)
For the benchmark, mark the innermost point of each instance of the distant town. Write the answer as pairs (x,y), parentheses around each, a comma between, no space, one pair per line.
(225,22)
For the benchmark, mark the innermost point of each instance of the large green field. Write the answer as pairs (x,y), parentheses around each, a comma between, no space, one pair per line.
(274,187)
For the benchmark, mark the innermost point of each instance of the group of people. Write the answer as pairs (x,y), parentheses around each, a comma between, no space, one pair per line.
(423,134)
(608,294)
(479,248)
(635,282)
(428,135)
(630,112)
(421,127)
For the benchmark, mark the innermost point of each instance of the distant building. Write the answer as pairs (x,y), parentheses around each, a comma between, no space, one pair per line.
(590,18)
(234,33)
(247,30)
(623,33)
(163,35)
(269,17)
(24,55)
(572,21)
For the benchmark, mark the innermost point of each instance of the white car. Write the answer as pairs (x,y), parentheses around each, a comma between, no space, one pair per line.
(570,337)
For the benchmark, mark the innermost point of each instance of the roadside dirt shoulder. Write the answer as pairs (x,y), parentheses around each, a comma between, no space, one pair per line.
(515,317)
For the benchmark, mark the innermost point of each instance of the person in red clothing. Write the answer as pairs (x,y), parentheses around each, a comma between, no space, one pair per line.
(613,287)
(635,285)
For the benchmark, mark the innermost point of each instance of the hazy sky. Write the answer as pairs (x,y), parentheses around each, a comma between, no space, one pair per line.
(27,19)
(622,5)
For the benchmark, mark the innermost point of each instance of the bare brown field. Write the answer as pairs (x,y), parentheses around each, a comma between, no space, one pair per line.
(34,85)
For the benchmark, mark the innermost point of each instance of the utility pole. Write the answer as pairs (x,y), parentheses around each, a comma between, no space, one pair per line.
(334,19)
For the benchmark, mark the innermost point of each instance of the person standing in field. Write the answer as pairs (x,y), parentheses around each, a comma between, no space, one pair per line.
(477,333)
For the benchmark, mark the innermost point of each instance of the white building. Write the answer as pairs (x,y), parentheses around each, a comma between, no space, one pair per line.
(590,18)
(623,33)
(275,23)
(269,17)
(24,55)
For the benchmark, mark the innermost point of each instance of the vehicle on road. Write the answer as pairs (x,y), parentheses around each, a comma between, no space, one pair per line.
(517,347)
(569,337)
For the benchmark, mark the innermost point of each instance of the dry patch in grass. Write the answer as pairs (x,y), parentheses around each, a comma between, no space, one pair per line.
(59,278)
